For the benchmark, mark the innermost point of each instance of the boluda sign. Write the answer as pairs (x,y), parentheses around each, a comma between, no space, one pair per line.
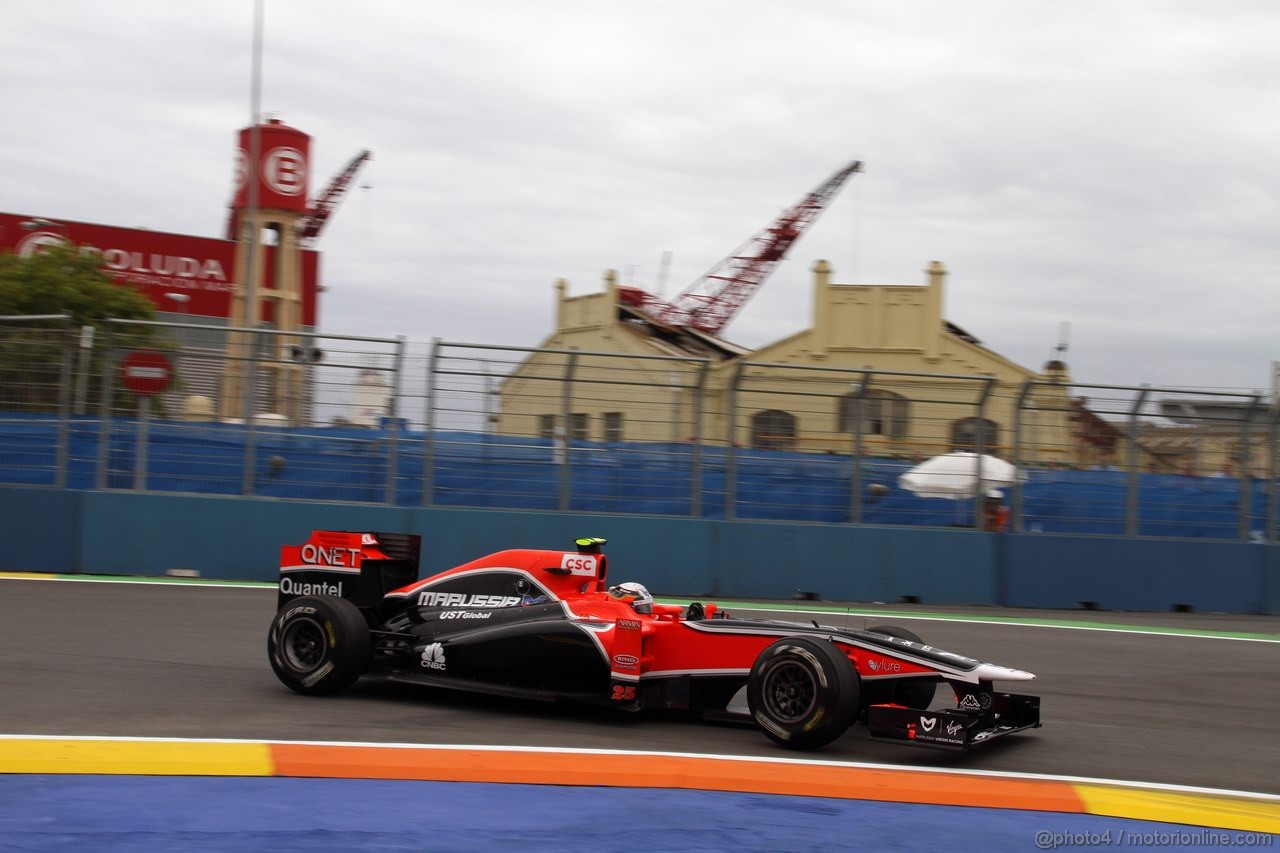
(135,263)
(156,263)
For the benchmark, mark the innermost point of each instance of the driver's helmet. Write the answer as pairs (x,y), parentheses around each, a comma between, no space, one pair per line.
(635,593)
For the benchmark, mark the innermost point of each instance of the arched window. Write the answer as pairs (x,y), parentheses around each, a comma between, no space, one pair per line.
(773,429)
(883,413)
(964,434)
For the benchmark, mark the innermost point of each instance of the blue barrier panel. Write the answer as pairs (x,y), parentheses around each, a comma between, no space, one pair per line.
(30,449)
(636,478)
(1269,580)
(1133,574)
(229,538)
(846,563)
(39,529)
(237,538)
(224,538)
(234,538)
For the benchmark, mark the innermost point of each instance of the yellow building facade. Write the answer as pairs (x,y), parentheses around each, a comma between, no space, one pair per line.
(883,356)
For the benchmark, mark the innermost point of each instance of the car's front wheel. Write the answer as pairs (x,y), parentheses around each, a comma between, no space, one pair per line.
(318,644)
(803,693)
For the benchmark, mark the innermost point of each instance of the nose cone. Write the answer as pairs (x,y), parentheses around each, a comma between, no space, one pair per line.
(992,672)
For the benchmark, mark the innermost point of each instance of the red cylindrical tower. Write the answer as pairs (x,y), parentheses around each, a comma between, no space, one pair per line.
(284,163)
(267,290)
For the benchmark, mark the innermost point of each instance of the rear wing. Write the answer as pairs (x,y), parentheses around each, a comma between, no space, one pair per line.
(359,566)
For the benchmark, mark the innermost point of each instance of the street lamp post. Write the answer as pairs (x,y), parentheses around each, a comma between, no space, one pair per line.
(181,299)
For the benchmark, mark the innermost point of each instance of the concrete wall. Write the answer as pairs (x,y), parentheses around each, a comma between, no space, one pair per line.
(233,538)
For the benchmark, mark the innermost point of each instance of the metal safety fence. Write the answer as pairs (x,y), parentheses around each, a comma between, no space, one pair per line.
(198,408)
(562,430)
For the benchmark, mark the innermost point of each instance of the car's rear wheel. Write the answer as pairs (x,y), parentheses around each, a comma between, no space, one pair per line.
(911,692)
(803,693)
(318,644)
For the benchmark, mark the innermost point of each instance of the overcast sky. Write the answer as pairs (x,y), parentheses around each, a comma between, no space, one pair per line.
(1111,165)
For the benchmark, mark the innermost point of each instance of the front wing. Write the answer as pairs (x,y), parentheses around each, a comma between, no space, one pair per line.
(954,729)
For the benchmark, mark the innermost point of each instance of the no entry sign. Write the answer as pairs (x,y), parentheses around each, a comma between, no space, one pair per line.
(146,372)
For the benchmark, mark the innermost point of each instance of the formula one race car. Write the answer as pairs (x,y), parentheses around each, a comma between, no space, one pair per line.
(549,625)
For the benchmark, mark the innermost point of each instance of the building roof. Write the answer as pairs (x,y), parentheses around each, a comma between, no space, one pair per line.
(683,340)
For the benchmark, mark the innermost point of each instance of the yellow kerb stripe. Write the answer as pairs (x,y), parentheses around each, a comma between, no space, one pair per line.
(1168,807)
(144,758)
(180,758)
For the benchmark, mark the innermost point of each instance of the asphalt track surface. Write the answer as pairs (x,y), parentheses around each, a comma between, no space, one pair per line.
(102,659)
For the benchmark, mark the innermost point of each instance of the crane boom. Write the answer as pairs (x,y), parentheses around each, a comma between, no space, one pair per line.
(327,202)
(711,302)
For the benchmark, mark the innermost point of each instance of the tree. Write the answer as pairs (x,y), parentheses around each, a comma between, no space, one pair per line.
(63,281)
(34,354)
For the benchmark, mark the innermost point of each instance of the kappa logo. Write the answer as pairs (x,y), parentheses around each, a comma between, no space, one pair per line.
(433,657)
(970,703)
(927,723)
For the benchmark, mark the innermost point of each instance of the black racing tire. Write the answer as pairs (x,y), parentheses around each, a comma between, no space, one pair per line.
(319,644)
(803,693)
(912,692)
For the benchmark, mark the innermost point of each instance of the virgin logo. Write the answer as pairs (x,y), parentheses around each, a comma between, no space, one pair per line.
(33,243)
(285,171)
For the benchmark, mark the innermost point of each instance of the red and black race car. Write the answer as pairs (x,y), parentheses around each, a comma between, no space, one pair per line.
(550,625)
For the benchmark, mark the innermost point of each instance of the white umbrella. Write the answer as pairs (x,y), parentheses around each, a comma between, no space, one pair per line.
(958,475)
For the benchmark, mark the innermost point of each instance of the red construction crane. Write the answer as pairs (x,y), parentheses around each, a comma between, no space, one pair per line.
(327,202)
(711,302)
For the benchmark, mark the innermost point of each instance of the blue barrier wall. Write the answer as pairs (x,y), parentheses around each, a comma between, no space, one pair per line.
(1135,574)
(479,471)
(39,530)
(844,562)
(1269,580)
(236,538)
